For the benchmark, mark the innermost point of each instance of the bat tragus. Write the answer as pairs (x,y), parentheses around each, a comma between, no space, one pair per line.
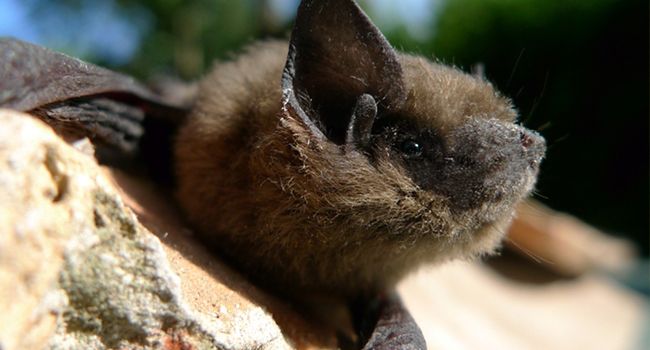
(334,165)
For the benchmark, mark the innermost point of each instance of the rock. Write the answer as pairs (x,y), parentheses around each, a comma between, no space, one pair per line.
(78,269)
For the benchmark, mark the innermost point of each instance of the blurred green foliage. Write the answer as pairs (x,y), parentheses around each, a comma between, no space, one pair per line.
(188,35)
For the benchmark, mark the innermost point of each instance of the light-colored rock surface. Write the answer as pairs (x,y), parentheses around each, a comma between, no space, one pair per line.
(36,222)
(78,270)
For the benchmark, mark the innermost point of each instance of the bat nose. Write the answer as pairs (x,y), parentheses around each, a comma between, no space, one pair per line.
(526,139)
(534,146)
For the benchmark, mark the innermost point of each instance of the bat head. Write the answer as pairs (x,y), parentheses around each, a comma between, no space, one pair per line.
(410,151)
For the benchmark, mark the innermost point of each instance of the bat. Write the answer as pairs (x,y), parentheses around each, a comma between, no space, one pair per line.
(335,164)
(330,165)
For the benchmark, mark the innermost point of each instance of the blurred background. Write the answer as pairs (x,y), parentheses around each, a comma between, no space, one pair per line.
(576,69)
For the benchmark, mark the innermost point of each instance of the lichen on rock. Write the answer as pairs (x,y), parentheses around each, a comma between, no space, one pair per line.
(119,287)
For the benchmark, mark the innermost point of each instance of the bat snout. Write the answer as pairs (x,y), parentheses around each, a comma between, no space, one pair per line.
(534,146)
(494,163)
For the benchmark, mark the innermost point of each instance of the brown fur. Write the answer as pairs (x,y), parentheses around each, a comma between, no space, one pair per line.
(303,214)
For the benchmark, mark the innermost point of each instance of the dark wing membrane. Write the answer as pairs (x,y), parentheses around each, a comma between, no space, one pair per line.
(387,324)
(32,76)
(78,97)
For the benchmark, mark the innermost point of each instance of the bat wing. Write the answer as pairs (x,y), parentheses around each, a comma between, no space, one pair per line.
(80,98)
(386,324)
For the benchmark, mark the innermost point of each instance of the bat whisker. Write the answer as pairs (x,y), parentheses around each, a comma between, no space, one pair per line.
(514,68)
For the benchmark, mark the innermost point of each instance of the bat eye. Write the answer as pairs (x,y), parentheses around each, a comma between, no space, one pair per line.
(411,148)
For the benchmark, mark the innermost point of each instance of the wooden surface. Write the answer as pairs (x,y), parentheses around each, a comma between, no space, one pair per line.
(470,306)
(552,288)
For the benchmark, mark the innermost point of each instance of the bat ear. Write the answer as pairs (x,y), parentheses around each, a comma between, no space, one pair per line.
(339,65)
